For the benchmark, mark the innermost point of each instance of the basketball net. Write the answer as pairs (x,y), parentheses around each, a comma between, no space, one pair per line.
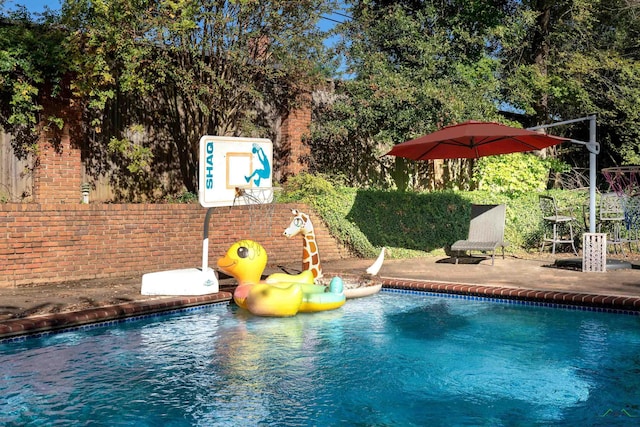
(261,206)
(625,182)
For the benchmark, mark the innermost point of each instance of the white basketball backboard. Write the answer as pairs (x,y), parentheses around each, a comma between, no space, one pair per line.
(227,163)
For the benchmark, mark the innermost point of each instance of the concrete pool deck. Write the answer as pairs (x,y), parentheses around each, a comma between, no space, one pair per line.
(535,272)
(44,307)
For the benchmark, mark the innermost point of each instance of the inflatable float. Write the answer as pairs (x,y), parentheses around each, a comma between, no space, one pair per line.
(301,225)
(360,291)
(280,294)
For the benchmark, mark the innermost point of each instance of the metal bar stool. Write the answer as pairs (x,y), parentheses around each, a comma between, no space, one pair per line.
(558,223)
(631,208)
(612,219)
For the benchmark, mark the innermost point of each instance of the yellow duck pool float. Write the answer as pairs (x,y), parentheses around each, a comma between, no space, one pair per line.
(280,294)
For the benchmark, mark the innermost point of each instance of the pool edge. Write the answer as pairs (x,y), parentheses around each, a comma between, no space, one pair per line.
(51,322)
(607,302)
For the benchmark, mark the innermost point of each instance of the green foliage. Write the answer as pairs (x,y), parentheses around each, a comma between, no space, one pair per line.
(403,84)
(185,197)
(135,157)
(414,67)
(334,211)
(332,204)
(184,68)
(4,197)
(305,187)
(515,173)
(571,58)
(33,60)
(419,223)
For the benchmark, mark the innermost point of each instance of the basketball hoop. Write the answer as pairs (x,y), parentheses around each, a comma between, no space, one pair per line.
(254,195)
(261,206)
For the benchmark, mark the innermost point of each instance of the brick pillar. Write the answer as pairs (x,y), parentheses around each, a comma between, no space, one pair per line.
(57,174)
(295,126)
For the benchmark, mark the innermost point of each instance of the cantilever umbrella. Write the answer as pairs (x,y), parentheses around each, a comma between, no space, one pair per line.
(473,139)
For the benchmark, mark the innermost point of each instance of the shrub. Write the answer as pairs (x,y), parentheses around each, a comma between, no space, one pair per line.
(514,173)
(414,224)
(306,187)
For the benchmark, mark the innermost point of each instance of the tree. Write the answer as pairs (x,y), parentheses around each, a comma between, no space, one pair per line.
(413,66)
(571,58)
(180,69)
(417,65)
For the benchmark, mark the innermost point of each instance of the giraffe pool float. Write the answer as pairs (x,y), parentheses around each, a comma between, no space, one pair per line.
(301,223)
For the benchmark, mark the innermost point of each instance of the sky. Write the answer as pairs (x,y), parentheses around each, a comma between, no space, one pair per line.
(33,6)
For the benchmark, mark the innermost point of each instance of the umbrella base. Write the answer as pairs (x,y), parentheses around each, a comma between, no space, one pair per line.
(576,264)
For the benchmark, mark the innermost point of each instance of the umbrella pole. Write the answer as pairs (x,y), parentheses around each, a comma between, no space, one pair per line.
(594,150)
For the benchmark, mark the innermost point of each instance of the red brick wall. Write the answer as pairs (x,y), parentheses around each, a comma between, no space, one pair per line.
(58,239)
(58,169)
(44,243)
(295,126)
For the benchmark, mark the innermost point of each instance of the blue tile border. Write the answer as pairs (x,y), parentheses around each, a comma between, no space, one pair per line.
(511,301)
(70,319)
(112,322)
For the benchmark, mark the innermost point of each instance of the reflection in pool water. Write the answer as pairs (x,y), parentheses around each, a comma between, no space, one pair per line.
(389,359)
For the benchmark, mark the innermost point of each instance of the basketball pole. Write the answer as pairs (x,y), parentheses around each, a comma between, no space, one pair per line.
(205,241)
(594,149)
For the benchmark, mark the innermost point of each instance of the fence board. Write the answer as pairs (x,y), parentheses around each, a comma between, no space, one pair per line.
(16,179)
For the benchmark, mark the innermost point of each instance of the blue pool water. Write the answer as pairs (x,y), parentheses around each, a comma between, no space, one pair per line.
(387,360)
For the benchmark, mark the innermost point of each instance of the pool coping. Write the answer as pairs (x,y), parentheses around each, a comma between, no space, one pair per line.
(611,303)
(52,322)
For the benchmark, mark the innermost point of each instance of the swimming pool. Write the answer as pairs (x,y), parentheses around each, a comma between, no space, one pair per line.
(389,359)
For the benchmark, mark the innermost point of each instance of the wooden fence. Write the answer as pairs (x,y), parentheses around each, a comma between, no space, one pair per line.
(16,179)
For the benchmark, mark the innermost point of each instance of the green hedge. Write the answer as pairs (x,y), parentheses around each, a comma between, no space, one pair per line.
(414,224)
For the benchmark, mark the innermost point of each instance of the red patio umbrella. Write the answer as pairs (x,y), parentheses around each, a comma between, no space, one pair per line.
(472,140)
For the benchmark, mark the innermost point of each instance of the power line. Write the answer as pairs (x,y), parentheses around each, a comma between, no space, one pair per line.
(327,17)
(342,14)
(331,19)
